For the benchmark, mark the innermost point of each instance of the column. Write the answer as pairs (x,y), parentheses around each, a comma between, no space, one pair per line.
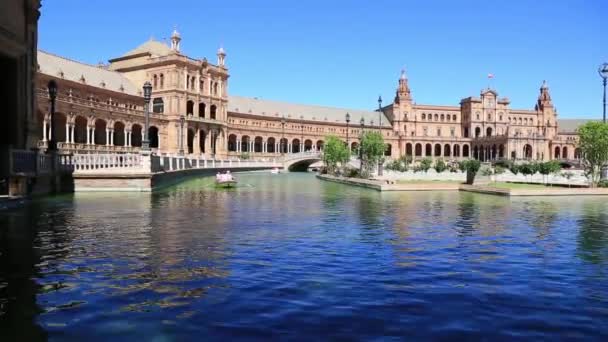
(44,130)
(111,137)
(88,135)
(264,146)
(92,135)
(107,137)
(196,147)
(67,132)
(72,134)
(288,147)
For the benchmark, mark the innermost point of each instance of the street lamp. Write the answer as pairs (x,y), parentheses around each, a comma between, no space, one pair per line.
(362,122)
(603,71)
(282,134)
(302,142)
(145,144)
(52,86)
(347,122)
(380,111)
(182,119)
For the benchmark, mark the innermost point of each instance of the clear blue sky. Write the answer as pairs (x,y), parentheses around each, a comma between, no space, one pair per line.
(345,53)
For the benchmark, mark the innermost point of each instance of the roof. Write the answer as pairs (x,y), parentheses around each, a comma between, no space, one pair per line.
(54,65)
(153,47)
(571,125)
(252,105)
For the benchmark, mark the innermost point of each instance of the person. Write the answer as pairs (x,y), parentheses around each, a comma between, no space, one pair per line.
(228,175)
(218,177)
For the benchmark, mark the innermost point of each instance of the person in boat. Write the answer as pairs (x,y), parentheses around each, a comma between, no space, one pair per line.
(228,176)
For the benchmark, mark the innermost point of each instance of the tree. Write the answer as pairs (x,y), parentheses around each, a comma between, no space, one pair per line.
(548,168)
(372,150)
(593,142)
(334,153)
(471,166)
(440,166)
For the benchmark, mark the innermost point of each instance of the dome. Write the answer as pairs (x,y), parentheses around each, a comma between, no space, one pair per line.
(221,51)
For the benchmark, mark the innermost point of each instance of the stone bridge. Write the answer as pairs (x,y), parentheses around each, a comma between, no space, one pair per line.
(300,161)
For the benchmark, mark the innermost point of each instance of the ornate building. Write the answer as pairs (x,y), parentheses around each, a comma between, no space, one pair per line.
(100,108)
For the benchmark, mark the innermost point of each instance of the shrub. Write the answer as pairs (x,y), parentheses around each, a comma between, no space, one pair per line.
(486,171)
(471,166)
(425,164)
(245,156)
(602,183)
(440,166)
(499,170)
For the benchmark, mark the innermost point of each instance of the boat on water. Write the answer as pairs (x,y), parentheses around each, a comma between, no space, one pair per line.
(275,171)
(225,180)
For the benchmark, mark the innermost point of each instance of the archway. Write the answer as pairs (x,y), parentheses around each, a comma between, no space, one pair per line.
(257,144)
(307,145)
(408,149)
(213,111)
(284,145)
(232,143)
(270,145)
(119,133)
(577,153)
(136,135)
(100,132)
(60,121)
(456,150)
(201,109)
(418,150)
(489,131)
(190,107)
(80,130)
(565,152)
(501,151)
(245,143)
(295,146)
(557,153)
(447,150)
(354,146)
(527,151)
(477,132)
(388,150)
(437,150)
(202,136)
(153,136)
(494,152)
(428,150)
(476,152)
(320,144)
(190,141)
(465,150)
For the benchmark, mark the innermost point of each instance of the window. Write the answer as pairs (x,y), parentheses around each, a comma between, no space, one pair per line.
(438,132)
(155,81)
(158,105)
(425,131)
(452,131)
(162,81)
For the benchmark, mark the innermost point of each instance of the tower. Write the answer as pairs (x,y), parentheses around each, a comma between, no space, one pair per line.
(547,116)
(221,56)
(402,107)
(175,39)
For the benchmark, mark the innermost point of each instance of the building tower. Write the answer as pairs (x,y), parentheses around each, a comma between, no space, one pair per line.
(403,105)
(547,115)
(175,40)
(221,56)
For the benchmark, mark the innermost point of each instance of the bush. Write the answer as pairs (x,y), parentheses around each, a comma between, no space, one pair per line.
(245,156)
(440,166)
(351,172)
(425,164)
(499,170)
(486,171)
(602,183)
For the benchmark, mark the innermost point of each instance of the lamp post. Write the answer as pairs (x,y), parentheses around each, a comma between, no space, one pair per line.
(181,134)
(282,134)
(302,142)
(362,122)
(347,129)
(379,112)
(145,144)
(603,71)
(52,87)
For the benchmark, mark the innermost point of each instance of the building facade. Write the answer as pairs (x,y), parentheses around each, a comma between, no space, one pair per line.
(100,108)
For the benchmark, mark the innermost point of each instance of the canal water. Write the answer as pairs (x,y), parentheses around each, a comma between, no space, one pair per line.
(288,256)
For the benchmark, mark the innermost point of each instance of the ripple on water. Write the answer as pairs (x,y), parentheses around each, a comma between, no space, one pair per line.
(292,257)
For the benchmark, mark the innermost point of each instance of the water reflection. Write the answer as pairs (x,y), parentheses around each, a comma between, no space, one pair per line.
(288,256)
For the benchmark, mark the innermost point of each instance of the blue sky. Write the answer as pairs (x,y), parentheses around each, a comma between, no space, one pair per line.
(345,53)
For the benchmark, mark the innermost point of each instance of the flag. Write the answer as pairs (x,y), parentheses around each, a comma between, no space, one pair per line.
(490,75)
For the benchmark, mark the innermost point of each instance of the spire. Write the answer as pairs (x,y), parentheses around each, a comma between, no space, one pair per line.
(403,90)
(221,56)
(544,98)
(175,40)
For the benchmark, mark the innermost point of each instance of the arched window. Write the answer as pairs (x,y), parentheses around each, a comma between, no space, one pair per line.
(187,82)
(162,81)
(442,117)
(423,116)
(155,81)
(213,110)
(190,107)
(436,117)
(489,131)
(158,105)
(215,88)
(477,132)
(201,109)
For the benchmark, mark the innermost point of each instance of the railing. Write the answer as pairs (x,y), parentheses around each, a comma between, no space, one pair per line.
(300,155)
(23,162)
(32,163)
(115,163)
(96,161)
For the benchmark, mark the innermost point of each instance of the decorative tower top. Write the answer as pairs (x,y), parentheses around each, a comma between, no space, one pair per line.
(221,56)
(403,90)
(544,98)
(175,39)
